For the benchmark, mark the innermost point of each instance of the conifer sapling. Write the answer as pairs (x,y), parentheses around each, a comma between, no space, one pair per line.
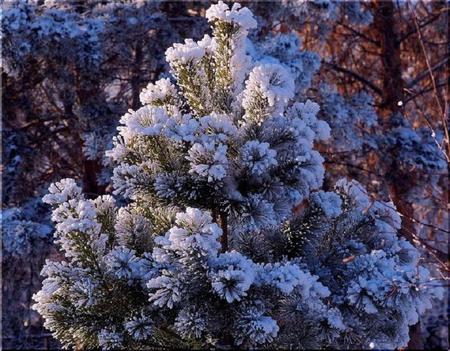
(208,249)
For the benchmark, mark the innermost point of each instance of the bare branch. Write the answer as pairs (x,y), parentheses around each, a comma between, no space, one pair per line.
(425,73)
(414,30)
(362,35)
(354,75)
(426,90)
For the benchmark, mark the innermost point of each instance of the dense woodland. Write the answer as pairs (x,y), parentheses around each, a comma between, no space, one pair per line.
(369,79)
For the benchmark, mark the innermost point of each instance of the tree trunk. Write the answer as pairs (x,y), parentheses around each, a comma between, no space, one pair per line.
(385,26)
(136,76)
(90,168)
(399,181)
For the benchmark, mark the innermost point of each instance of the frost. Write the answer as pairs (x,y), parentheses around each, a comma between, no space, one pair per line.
(255,328)
(330,203)
(269,82)
(284,276)
(139,327)
(307,112)
(258,157)
(158,92)
(132,229)
(241,16)
(208,160)
(189,52)
(122,263)
(147,120)
(356,192)
(221,235)
(190,324)
(232,276)
(62,191)
(167,291)
(19,232)
(216,128)
(124,179)
(109,339)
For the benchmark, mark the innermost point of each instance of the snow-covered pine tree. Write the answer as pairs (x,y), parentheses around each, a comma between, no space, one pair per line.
(226,239)
(69,70)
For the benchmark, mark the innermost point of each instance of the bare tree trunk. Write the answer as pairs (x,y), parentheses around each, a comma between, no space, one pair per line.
(136,75)
(385,27)
(398,181)
(388,36)
(90,168)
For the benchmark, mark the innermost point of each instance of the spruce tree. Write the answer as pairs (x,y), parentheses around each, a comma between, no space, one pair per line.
(221,235)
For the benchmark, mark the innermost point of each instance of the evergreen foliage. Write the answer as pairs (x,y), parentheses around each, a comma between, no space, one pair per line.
(227,238)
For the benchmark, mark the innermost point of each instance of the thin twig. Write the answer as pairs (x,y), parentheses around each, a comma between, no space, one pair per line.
(433,133)
(436,95)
